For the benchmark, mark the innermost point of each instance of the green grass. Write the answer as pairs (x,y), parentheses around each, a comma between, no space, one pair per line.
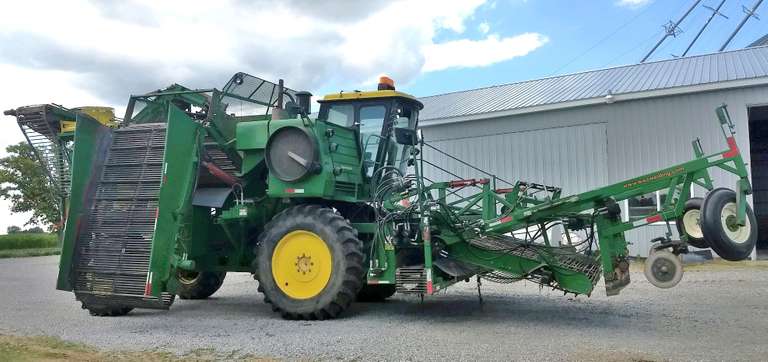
(28,241)
(28,244)
(18,253)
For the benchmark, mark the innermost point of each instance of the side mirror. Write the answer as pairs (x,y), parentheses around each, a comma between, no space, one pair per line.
(406,136)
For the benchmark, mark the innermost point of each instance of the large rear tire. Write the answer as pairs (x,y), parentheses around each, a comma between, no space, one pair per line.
(376,293)
(309,263)
(718,224)
(689,223)
(199,285)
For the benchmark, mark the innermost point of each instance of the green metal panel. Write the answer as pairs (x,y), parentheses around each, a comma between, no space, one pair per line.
(180,162)
(93,140)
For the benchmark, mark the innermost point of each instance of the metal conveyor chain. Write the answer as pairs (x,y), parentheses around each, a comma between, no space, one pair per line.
(113,252)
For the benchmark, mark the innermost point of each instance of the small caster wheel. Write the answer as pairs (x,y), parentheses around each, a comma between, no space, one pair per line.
(663,269)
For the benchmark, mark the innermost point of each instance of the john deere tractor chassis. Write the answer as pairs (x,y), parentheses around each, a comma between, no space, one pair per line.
(197,183)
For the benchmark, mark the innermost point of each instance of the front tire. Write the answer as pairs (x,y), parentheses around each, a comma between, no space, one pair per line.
(718,223)
(309,263)
(198,285)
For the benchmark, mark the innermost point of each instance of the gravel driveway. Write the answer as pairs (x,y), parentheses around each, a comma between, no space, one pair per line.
(711,315)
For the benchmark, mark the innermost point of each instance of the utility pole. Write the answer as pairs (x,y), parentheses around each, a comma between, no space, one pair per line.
(750,13)
(671,29)
(715,11)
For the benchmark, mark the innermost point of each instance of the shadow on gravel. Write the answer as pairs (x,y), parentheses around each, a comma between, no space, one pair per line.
(442,309)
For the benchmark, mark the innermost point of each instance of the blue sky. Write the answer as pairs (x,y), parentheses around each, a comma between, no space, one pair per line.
(573,29)
(93,52)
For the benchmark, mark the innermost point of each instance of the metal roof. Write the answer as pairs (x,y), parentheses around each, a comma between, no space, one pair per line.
(567,90)
(763,40)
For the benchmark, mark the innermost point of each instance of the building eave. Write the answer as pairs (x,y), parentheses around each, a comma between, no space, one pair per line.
(617,98)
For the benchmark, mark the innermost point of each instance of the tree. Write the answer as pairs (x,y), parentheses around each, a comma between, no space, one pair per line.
(24,183)
(35,230)
(13,229)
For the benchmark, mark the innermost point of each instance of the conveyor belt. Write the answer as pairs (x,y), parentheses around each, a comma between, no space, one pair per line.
(113,253)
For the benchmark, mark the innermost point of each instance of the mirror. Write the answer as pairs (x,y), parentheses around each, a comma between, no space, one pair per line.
(406,136)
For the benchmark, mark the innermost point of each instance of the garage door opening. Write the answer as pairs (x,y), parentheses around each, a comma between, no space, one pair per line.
(758,144)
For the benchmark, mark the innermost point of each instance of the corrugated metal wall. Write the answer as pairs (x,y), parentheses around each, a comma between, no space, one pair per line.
(572,157)
(583,148)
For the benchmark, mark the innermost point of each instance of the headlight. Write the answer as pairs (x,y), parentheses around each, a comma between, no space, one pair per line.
(291,154)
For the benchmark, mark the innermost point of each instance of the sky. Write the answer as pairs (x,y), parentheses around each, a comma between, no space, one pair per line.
(80,52)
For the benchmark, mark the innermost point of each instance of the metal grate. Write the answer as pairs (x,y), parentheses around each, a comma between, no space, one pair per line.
(114,251)
(553,256)
(41,131)
(411,280)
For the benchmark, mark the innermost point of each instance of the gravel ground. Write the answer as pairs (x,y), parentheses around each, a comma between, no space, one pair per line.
(711,315)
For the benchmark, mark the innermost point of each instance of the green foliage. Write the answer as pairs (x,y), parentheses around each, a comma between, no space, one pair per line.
(24,183)
(13,229)
(21,253)
(28,241)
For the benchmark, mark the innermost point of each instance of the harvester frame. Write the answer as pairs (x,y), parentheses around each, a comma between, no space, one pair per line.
(197,183)
(521,212)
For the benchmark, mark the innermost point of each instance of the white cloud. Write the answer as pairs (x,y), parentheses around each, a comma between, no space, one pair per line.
(82,52)
(484,27)
(24,87)
(633,4)
(116,48)
(479,53)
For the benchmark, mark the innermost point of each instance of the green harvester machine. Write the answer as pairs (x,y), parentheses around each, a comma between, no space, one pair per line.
(324,211)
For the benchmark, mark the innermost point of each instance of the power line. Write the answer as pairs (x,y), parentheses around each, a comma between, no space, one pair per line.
(750,13)
(671,29)
(715,11)
(611,34)
(633,48)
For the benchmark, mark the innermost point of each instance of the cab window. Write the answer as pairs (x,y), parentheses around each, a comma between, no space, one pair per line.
(371,124)
(342,115)
(398,154)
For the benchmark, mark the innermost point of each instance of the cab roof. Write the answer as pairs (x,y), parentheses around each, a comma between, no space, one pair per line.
(355,95)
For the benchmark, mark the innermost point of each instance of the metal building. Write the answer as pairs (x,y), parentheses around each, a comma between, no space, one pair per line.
(585,130)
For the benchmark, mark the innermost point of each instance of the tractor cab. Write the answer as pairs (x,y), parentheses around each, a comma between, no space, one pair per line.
(375,116)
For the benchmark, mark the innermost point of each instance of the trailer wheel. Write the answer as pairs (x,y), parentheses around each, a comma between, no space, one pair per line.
(663,269)
(718,223)
(309,263)
(690,223)
(106,310)
(376,293)
(198,285)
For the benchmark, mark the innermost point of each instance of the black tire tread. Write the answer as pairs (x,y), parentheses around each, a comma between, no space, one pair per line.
(206,284)
(352,250)
(103,310)
(376,293)
(692,203)
(712,230)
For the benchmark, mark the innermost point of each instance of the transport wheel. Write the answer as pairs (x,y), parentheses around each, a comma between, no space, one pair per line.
(718,223)
(309,263)
(663,269)
(376,293)
(106,310)
(689,223)
(198,285)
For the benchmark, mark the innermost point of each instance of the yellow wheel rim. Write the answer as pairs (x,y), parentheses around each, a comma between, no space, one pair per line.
(301,264)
